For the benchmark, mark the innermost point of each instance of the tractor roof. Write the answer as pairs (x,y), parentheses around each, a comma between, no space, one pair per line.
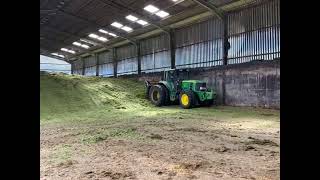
(193,81)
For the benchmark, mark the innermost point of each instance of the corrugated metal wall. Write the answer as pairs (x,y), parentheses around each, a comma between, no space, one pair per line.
(254,33)
(127,60)
(106,63)
(155,54)
(199,45)
(77,67)
(90,65)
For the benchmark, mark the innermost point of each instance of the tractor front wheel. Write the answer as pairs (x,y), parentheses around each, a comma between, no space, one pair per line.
(186,99)
(157,95)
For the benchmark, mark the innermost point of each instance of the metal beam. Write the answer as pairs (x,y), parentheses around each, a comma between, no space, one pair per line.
(188,20)
(60,42)
(138,58)
(115,62)
(226,44)
(97,63)
(61,32)
(52,56)
(83,65)
(47,11)
(212,8)
(95,25)
(138,15)
(172,49)
(73,35)
(72,67)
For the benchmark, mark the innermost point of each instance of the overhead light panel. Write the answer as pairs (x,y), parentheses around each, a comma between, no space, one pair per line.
(56,54)
(116,24)
(111,34)
(81,45)
(162,14)
(142,22)
(93,36)
(89,42)
(67,50)
(132,18)
(151,8)
(102,39)
(103,31)
(126,28)
(106,32)
(137,20)
(85,46)
(76,43)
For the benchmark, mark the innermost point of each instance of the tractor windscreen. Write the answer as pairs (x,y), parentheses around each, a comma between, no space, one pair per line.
(201,86)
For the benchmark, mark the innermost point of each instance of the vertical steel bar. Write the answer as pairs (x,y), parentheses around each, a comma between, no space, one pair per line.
(237,37)
(97,63)
(250,35)
(263,29)
(269,30)
(172,49)
(115,62)
(138,49)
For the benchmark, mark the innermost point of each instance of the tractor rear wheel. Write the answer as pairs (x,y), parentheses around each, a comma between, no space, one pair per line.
(157,95)
(166,93)
(186,99)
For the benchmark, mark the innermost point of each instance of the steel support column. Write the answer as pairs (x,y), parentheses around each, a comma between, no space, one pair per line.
(83,65)
(97,63)
(72,67)
(226,44)
(172,49)
(115,62)
(138,57)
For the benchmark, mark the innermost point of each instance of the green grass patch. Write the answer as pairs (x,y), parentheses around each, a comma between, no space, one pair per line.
(115,133)
(62,154)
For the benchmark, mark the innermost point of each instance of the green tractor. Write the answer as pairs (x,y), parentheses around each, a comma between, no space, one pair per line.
(175,88)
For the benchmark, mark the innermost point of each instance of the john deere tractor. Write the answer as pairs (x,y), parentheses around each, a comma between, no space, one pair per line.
(175,88)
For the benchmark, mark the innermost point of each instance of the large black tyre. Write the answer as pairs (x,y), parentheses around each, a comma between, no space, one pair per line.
(148,87)
(157,95)
(186,99)
(167,95)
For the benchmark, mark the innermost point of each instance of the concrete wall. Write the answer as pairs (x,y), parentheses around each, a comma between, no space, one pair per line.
(255,83)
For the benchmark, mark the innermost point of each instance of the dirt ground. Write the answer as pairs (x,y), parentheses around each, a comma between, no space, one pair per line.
(227,143)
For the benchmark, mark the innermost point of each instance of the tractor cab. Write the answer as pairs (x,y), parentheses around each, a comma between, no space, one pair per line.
(175,77)
(175,74)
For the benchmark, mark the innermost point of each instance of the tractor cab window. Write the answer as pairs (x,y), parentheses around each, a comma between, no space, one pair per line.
(201,86)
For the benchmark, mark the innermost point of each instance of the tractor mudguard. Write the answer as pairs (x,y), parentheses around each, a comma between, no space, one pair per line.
(171,91)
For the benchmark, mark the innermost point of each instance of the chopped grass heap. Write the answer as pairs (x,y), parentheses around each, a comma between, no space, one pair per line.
(77,99)
(73,96)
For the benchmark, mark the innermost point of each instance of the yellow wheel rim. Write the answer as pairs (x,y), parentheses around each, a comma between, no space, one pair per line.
(158,95)
(184,99)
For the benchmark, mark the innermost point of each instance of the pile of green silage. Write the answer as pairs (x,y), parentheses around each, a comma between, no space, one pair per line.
(73,97)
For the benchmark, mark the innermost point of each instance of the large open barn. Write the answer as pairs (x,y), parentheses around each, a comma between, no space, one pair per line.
(160,89)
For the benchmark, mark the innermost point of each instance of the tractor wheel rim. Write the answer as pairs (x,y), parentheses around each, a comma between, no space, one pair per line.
(184,99)
(156,95)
